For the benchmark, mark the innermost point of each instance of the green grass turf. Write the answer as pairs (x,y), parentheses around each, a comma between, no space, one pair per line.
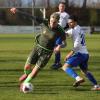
(49,84)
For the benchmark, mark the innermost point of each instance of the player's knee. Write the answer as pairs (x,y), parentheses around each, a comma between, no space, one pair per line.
(27,67)
(57,52)
(84,72)
(65,66)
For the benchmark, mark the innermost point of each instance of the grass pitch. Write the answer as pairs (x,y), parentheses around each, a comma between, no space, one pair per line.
(49,84)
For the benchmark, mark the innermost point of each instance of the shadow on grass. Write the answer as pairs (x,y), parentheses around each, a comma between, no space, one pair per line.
(9,84)
(6,86)
(43,88)
(12,60)
(10,70)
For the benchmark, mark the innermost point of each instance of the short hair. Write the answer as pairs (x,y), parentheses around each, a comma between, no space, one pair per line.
(62,2)
(73,17)
(55,15)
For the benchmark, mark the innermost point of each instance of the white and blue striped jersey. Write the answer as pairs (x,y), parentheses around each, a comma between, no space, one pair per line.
(78,37)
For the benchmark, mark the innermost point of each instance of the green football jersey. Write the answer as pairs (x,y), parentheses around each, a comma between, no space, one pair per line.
(48,37)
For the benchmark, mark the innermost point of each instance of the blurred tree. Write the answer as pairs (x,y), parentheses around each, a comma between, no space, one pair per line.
(93,16)
(34,2)
(93,19)
(84,4)
(48,3)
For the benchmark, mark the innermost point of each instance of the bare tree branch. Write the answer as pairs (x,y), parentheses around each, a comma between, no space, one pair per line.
(84,4)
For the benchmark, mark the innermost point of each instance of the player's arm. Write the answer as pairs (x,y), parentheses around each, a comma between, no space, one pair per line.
(77,41)
(69,55)
(69,33)
(58,44)
(57,48)
(38,19)
(75,48)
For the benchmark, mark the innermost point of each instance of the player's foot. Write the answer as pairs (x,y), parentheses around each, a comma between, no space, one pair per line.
(77,83)
(96,88)
(23,77)
(56,66)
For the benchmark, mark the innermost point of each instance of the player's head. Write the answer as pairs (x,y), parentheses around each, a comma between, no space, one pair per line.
(72,21)
(61,6)
(54,19)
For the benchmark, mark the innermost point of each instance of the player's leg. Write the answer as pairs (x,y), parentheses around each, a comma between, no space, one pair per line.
(71,72)
(41,62)
(32,74)
(88,74)
(43,58)
(32,58)
(57,63)
(27,70)
(92,79)
(67,67)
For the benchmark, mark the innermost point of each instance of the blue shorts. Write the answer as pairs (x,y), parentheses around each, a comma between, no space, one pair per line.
(60,42)
(79,59)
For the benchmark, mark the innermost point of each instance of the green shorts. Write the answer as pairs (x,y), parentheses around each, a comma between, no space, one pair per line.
(39,56)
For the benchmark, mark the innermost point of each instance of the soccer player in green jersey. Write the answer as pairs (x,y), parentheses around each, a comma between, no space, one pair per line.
(44,44)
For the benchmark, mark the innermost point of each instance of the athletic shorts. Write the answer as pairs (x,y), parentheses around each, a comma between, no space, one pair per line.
(39,56)
(62,43)
(79,59)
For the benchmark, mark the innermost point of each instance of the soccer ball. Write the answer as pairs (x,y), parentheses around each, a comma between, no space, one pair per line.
(27,87)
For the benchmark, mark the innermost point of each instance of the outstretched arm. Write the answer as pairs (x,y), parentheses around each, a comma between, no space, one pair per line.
(38,19)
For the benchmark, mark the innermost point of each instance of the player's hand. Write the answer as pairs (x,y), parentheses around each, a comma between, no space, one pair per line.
(57,49)
(13,10)
(69,55)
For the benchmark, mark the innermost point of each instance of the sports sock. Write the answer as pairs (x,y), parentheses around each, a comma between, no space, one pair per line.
(57,57)
(71,72)
(27,69)
(91,78)
(28,79)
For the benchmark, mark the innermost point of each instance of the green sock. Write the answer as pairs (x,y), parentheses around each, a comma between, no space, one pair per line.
(27,71)
(28,79)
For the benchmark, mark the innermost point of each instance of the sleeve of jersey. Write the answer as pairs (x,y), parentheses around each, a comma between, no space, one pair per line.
(76,43)
(38,19)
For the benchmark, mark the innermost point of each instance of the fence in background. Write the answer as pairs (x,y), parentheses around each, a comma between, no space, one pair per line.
(37,29)
(20,29)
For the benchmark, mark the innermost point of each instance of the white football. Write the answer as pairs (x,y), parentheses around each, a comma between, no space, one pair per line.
(27,87)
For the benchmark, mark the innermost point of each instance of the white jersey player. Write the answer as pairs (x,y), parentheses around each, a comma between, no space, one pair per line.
(62,22)
(63,18)
(78,37)
(78,56)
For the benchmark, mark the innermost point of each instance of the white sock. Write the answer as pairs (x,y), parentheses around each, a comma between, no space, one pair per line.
(78,78)
(96,86)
